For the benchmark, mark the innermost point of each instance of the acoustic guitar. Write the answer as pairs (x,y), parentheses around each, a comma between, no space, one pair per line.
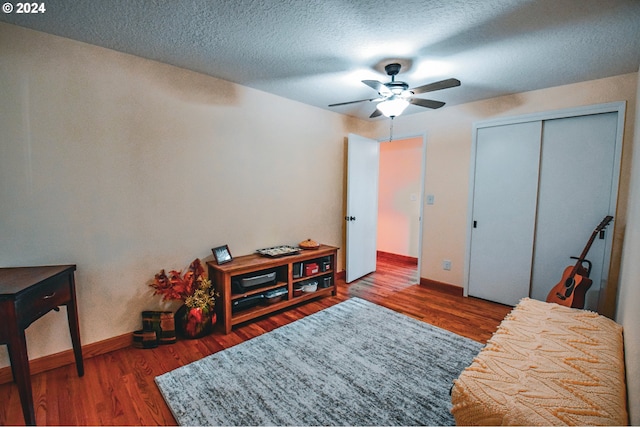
(575,283)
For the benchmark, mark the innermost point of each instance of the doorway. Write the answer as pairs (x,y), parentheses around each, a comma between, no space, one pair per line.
(400,203)
(362,204)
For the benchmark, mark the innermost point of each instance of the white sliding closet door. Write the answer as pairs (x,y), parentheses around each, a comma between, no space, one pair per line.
(576,178)
(541,185)
(504,206)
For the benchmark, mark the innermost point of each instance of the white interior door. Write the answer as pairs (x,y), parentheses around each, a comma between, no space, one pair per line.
(363,158)
(576,180)
(503,211)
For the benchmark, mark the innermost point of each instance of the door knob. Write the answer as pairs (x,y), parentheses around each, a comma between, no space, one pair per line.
(350,218)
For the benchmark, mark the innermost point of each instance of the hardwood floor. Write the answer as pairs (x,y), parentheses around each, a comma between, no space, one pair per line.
(119,389)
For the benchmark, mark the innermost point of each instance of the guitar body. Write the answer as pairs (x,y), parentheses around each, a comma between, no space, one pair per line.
(570,291)
(575,283)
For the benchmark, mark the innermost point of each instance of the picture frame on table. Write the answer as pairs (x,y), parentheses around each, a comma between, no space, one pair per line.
(222,254)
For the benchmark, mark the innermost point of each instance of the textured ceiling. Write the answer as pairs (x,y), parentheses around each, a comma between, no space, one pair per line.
(318,51)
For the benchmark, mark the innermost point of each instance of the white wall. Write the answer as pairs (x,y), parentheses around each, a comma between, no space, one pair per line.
(629,292)
(125,166)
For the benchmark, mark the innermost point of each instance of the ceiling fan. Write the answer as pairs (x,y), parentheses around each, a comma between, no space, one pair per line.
(395,96)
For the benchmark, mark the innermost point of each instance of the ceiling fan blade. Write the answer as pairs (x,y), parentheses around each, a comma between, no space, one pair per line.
(378,86)
(351,102)
(376,113)
(442,84)
(428,103)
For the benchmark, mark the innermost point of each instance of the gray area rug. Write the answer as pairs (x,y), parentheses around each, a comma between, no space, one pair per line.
(355,363)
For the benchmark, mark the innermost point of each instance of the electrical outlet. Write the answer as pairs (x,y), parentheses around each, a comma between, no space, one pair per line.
(446,264)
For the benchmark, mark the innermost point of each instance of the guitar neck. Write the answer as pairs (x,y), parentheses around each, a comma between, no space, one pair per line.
(583,255)
(585,251)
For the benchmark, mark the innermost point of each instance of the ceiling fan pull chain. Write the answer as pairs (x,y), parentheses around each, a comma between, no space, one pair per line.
(391,129)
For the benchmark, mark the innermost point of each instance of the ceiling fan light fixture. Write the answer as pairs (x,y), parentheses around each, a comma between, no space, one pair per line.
(394,106)
(395,96)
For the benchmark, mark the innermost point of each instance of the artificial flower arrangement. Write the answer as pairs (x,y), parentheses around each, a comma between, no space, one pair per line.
(195,290)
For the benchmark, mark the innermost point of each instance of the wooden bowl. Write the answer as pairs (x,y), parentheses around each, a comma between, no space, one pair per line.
(309,244)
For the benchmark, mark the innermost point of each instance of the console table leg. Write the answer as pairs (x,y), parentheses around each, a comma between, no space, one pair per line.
(22,375)
(75,339)
(74,328)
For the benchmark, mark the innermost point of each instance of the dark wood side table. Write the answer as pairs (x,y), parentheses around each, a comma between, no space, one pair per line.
(26,294)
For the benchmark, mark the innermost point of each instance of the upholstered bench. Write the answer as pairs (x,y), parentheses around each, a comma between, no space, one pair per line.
(546,365)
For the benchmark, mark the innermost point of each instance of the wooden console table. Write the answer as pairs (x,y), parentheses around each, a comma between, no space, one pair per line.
(222,276)
(26,294)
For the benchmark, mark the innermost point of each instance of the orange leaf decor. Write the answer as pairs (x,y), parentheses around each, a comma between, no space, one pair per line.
(192,287)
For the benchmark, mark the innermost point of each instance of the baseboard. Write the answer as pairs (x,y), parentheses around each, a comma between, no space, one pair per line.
(442,287)
(388,256)
(64,358)
(341,275)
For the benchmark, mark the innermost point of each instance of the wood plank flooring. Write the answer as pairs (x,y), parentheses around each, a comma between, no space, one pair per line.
(119,389)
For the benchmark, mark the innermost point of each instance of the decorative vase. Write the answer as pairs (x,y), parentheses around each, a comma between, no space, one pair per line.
(194,322)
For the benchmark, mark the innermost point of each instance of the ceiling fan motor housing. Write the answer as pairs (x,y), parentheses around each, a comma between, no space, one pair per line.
(397,87)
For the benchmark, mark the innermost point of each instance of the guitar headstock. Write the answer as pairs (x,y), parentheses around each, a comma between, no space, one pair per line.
(603,224)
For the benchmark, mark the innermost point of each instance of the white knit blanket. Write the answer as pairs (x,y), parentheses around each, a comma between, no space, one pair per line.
(546,365)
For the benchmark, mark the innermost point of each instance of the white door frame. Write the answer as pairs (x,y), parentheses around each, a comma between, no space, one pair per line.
(618,107)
